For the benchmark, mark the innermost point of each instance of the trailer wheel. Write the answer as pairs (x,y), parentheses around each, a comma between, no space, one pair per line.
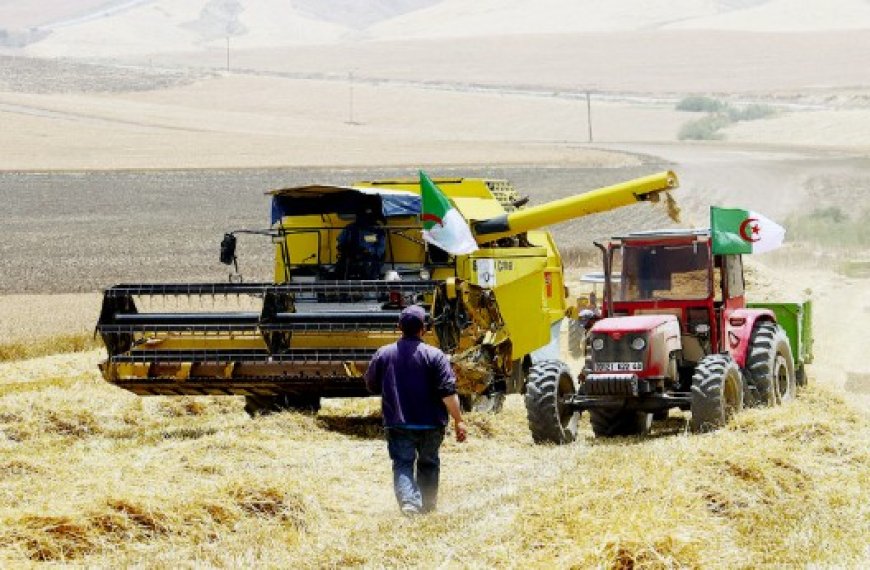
(615,422)
(483,403)
(770,365)
(717,392)
(263,405)
(550,420)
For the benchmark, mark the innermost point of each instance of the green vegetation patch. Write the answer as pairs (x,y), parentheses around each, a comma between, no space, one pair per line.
(701,104)
(831,226)
(703,129)
(719,115)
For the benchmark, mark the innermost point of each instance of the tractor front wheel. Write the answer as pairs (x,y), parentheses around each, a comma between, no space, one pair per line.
(717,392)
(770,365)
(550,420)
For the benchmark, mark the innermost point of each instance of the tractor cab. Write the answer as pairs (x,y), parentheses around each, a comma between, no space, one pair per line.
(674,272)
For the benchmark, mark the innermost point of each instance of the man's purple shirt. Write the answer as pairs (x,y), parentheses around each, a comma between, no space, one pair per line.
(412,378)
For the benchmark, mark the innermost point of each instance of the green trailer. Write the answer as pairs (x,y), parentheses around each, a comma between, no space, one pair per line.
(797,321)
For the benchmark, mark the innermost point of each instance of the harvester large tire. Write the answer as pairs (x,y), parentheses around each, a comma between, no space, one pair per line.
(483,403)
(717,392)
(615,422)
(263,405)
(771,365)
(550,421)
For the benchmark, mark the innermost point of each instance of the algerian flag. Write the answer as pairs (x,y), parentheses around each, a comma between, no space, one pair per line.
(443,225)
(743,231)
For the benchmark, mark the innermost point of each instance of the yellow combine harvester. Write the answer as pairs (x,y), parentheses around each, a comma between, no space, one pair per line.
(347,260)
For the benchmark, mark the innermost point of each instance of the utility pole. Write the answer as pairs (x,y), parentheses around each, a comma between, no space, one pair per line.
(228,52)
(350,120)
(589,114)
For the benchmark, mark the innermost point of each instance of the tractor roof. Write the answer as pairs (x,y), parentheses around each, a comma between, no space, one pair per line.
(673,233)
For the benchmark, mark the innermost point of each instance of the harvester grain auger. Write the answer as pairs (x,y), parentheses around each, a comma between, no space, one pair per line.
(347,260)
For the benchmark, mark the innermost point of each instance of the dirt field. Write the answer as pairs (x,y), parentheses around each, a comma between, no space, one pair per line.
(83,231)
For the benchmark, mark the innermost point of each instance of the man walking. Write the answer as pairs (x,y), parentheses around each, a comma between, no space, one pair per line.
(418,391)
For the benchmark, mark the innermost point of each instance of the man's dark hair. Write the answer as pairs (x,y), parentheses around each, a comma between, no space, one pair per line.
(411,327)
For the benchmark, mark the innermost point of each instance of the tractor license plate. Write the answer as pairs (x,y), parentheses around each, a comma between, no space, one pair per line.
(618,366)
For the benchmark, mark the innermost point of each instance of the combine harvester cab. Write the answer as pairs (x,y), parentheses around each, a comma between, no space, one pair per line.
(347,260)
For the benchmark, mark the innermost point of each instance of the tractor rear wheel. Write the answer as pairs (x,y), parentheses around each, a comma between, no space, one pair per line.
(263,405)
(483,403)
(614,422)
(770,365)
(717,392)
(550,420)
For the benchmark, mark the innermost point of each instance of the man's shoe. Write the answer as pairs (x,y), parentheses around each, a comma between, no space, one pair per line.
(410,511)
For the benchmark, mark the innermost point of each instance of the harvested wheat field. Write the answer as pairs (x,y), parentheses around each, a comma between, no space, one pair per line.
(93,475)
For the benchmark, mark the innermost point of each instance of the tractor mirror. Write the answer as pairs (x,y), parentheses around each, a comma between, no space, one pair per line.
(228,249)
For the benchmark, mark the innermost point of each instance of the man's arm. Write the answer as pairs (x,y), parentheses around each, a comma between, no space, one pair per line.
(447,389)
(452,403)
(373,376)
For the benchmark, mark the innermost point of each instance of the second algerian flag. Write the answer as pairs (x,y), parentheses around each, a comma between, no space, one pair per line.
(443,225)
(743,231)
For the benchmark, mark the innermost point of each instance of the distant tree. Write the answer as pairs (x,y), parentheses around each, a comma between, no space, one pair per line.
(751,112)
(700,104)
(704,129)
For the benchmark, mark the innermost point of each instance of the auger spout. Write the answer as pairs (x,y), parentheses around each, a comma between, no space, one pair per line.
(603,199)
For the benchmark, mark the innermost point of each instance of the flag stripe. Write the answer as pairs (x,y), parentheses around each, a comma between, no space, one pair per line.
(443,225)
(435,203)
(725,226)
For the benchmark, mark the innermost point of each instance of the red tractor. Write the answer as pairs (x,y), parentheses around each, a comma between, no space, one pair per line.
(674,332)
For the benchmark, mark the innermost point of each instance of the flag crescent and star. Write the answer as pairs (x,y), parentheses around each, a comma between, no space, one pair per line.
(737,231)
(753,230)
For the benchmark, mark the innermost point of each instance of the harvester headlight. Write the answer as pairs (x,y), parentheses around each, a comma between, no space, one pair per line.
(424,274)
(639,343)
(598,343)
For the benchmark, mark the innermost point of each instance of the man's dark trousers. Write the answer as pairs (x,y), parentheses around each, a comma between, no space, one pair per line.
(409,446)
